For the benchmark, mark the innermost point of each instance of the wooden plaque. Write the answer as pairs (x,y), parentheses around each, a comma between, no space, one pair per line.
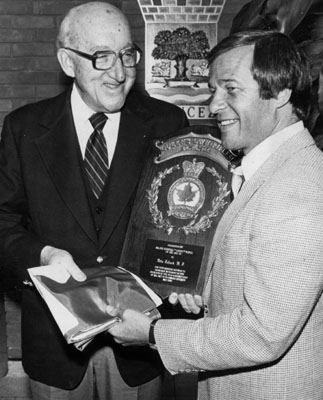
(182,194)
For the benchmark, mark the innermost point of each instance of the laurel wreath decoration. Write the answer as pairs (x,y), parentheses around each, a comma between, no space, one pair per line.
(193,226)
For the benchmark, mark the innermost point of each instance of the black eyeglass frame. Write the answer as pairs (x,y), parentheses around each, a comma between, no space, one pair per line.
(93,57)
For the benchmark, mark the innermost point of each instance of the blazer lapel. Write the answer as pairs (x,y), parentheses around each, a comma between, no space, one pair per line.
(58,148)
(127,163)
(250,187)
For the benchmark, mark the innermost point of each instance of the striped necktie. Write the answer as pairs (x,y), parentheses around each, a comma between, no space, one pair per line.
(96,155)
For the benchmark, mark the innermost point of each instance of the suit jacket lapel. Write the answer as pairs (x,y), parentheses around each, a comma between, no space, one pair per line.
(250,187)
(127,163)
(59,150)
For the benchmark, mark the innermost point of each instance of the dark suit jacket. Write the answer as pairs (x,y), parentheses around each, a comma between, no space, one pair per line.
(43,201)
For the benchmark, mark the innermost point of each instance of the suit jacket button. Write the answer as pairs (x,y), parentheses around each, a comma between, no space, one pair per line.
(99,259)
(98,210)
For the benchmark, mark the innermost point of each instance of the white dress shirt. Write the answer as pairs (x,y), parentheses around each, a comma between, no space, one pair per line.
(81,114)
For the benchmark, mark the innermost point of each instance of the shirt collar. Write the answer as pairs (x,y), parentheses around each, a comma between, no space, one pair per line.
(259,154)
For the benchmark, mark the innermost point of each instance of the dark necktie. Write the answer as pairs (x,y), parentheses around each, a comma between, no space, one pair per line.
(96,155)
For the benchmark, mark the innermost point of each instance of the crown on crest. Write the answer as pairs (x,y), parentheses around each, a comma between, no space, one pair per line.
(193,169)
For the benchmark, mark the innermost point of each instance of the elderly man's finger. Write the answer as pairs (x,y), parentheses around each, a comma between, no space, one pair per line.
(76,272)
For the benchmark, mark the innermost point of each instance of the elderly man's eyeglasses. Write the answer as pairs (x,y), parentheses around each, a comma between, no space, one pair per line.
(104,60)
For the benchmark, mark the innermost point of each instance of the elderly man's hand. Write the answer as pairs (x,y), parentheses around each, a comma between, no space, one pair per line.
(132,329)
(190,303)
(63,261)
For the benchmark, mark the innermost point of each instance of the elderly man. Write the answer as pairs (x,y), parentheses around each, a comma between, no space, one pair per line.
(61,205)
(262,333)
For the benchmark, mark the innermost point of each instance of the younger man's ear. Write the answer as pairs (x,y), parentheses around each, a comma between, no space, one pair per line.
(283,97)
(66,62)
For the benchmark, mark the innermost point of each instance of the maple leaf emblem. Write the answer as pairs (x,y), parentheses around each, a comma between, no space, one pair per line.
(186,194)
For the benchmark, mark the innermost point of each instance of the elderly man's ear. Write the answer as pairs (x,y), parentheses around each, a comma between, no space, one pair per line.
(66,61)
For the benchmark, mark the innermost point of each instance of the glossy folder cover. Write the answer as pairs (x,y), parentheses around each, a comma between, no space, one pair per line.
(79,308)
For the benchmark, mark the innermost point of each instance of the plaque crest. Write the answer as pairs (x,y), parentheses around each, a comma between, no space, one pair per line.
(186,195)
(185,198)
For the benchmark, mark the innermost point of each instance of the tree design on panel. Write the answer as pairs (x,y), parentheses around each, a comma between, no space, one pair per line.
(179,46)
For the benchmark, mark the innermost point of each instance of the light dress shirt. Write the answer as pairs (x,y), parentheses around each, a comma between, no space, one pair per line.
(81,114)
(251,162)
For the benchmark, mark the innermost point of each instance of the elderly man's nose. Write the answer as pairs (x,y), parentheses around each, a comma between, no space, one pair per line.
(117,71)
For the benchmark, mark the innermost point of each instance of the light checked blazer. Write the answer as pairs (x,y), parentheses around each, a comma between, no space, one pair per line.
(262,338)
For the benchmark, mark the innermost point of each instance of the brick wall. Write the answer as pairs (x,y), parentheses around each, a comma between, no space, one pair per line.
(29,70)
